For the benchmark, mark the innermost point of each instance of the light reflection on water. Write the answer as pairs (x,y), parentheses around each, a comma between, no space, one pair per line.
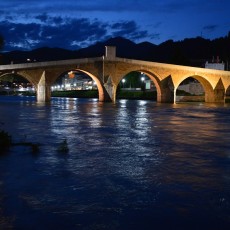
(131,165)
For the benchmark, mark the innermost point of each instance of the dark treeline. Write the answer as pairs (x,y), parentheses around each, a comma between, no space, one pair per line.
(190,51)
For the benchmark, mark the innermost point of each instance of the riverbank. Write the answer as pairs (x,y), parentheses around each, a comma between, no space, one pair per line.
(135,95)
(131,95)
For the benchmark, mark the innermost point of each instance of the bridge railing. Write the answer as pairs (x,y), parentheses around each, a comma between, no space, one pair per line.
(35,65)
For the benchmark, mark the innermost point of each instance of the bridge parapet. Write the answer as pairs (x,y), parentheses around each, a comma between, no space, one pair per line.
(37,65)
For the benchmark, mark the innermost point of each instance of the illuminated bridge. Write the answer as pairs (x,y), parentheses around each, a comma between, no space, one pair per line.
(108,70)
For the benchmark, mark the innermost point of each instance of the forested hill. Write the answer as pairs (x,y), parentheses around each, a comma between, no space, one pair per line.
(190,51)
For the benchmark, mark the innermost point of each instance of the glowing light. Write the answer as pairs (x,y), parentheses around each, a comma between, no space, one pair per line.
(71,74)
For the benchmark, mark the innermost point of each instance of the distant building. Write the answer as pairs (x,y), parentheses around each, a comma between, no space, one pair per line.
(215,64)
(149,85)
(76,81)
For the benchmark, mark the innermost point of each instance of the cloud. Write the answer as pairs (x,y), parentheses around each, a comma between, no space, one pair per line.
(210,28)
(42,17)
(128,29)
(64,32)
(82,6)
(18,35)
(72,24)
(155,36)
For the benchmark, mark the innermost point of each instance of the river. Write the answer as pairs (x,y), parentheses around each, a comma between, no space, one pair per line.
(131,165)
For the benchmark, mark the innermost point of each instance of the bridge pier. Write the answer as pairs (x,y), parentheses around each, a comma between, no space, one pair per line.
(167,94)
(43,90)
(109,91)
(216,95)
(219,92)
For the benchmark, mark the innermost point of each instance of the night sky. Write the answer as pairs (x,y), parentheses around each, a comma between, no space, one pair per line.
(73,24)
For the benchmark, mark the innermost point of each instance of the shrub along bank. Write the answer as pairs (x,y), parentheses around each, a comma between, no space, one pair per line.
(94,94)
(135,95)
(76,93)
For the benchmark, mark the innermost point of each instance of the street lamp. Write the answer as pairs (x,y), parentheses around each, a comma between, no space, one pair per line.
(123,82)
(143,83)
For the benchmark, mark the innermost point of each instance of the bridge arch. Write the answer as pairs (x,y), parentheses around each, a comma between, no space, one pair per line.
(152,76)
(210,94)
(20,74)
(102,96)
(18,80)
(101,89)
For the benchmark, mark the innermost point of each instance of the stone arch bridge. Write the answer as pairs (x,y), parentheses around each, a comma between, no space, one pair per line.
(108,70)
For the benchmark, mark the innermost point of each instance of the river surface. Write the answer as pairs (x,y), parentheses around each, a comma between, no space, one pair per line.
(130,165)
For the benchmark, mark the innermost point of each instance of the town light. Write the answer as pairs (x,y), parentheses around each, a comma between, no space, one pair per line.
(123,82)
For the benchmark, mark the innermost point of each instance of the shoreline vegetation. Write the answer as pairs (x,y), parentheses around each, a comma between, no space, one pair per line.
(131,95)
(6,143)
(135,95)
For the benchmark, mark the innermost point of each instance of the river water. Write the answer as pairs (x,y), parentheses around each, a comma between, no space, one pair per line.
(130,165)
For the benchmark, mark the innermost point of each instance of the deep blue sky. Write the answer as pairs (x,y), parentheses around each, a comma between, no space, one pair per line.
(70,24)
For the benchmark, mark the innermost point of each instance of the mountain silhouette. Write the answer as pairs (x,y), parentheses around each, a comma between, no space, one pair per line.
(190,51)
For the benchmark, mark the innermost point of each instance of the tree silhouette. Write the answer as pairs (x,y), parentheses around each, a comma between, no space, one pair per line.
(133,79)
(178,57)
(1,41)
(1,46)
